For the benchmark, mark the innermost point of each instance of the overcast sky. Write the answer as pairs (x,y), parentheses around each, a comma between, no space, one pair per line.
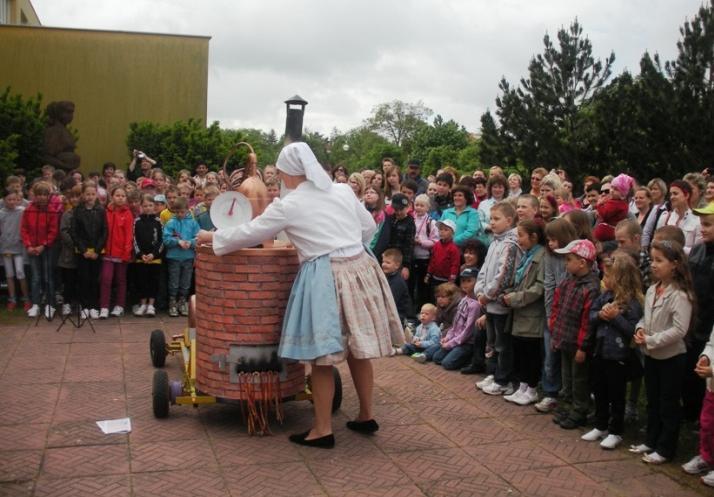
(345,57)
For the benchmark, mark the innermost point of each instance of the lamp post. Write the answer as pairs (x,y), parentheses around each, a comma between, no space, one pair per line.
(295,107)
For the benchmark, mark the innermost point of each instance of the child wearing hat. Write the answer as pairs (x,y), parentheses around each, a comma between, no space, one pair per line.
(403,229)
(569,322)
(445,257)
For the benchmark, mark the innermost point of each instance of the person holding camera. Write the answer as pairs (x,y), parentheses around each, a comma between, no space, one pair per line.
(146,163)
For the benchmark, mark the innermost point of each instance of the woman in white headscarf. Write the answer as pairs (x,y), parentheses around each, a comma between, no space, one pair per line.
(340,307)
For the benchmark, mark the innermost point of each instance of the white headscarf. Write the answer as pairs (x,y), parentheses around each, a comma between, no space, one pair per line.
(297,159)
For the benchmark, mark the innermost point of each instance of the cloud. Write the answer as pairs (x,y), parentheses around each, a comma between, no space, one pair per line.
(346,57)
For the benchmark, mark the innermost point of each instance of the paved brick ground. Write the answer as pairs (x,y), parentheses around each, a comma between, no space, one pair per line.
(439,436)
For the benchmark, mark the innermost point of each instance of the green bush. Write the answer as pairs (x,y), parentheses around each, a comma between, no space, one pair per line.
(22,124)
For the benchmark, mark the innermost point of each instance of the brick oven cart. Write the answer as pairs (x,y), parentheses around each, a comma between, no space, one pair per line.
(229,348)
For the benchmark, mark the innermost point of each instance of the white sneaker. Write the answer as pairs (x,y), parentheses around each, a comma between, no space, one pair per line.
(611,442)
(33,311)
(85,313)
(546,405)
(594,435)
(94,314)
(104,313)
(66,309)
(708,479)
(419,357)
(485,382)
(654,458)
(696,466)
(49,312)
(640,449)
(495,389)
(118,311)
(530,396)
(513,396)
(150,311)
(140,310)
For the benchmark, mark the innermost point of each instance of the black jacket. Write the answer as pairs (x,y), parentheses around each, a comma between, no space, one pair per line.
(701,264)
(400,292)
(148,236)
(89,228)
(401,236)
(611,339)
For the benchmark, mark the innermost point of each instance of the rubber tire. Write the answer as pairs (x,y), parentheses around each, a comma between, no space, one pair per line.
(160,397)
(337,398)
(157,348)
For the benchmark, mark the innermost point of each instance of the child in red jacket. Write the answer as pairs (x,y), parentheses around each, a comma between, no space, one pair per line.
(614,209)
(117,253)
(445,257)
(39,229)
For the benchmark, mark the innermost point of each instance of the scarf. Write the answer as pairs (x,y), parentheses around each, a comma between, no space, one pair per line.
(525,263)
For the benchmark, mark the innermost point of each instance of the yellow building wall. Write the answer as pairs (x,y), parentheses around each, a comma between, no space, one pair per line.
(114,78)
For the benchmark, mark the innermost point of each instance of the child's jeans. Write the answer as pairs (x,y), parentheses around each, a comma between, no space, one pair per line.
(706,429)
(500,364)
(42,280)
(112,272)
(410,348)
(180,273)
(454,358)
(551,379)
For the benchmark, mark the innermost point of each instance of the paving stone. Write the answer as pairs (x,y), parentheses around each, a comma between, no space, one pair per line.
(438,464)
(172,455)
(184,483)
(22,489)
(483,485)
(656,485)
(482,431)
(623,469)
(352,473)
(573,450)
(78,433)
(562,481)
(97,486)
(411,437)
(513,456)
(28,405)
(90,401)
(275,480)
(93,460)
(17,465)
(401,491)
(24,436)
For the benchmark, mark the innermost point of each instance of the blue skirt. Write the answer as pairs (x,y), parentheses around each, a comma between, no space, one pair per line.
(311,326)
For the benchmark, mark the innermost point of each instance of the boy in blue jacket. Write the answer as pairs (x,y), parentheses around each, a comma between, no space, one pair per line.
(180,242)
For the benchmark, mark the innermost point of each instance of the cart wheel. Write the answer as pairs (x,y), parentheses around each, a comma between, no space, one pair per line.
(337,398)
(160,394)
(157,348)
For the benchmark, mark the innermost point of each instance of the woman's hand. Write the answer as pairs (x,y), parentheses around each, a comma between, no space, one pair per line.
(204,237)
(640,338)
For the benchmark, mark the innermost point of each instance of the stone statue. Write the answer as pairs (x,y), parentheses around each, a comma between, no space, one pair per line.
(59,144)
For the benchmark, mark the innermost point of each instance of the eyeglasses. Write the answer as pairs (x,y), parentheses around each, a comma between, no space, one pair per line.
(605,192)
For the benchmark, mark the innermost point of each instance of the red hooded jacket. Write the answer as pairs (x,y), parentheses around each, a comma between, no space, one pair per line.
(120,233)
(40,225)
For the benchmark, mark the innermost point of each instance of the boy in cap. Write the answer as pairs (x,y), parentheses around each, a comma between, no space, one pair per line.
(569,321)
(403,229)
(445,257)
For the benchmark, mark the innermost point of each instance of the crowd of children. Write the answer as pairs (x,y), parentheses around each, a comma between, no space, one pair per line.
(561,302)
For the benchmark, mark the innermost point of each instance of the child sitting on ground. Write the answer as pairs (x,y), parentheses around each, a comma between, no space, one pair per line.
(427,333)
(391,265)
(455,349)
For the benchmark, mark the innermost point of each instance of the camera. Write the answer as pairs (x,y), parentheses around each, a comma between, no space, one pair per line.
(141,156)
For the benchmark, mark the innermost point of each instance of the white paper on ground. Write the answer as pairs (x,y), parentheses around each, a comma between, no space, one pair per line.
(110,426)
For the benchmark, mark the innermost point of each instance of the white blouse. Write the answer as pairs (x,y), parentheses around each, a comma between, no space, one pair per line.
(688,223)
(317,222)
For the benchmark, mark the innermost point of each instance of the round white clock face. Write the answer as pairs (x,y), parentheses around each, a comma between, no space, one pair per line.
(230,209)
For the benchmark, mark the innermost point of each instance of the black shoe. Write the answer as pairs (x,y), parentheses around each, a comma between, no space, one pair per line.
(369,426)
(560,416)
(473,369)
(572,423)
(326,442)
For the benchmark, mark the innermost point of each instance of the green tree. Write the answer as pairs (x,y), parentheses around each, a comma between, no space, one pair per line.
(538,118)
(22,124)
(438,144)
(398,121)
(692,75)
(490,146)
